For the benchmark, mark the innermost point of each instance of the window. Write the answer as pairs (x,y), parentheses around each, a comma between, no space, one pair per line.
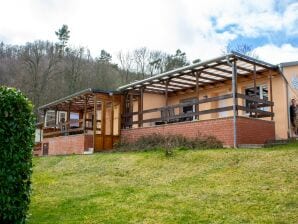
(50,118)
(74,120)
(61,115)
(262,93)
(189,109)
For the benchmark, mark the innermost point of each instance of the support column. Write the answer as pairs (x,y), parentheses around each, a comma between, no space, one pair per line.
(271,97)
(55,119)
(124,110)
(85,114)
(68,118)
(255,90)
(140,107)
(44,118)
(235,111)
(166,92)
(166,111)
(112,120)
(130,118)
(103,121)
(94,120)
(197,92)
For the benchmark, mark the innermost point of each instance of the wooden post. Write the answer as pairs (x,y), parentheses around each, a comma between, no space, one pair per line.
(197,92)
(44,118)
(255,90)
(140,107)
(68,117)
(166,92)
(85,114)
(94,120)
(124,110)
(271,97)
(166,111)
(55,118)
(130,119)
(112,118)
(103,121)
(120,111)
(234,89)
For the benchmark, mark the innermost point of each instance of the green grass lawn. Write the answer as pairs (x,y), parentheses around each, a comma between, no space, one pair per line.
(210,186)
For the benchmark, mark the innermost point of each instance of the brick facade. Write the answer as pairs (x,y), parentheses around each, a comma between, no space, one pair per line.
(250,131)
(254,131)
(71,144)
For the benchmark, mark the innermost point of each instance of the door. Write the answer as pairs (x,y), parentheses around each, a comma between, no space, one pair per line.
(107,119)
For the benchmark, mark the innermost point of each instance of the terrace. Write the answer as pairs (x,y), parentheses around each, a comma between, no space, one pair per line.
(224,88)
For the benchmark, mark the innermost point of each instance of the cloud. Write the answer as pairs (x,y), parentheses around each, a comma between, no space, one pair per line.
(200,28)
(274,54)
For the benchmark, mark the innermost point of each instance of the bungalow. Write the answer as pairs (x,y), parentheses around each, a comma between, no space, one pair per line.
(236,98)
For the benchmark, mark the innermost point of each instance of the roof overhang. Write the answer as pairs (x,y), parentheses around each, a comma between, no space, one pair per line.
(210,72)
(76,101)
(288,64)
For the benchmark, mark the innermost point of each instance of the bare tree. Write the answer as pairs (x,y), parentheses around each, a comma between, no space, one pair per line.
(141,56)
(156,63)
(39,59)
(241,48)
(73,68)
(126,61)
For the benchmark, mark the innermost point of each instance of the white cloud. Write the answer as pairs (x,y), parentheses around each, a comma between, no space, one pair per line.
(290,19)
(165,25)
(274,54)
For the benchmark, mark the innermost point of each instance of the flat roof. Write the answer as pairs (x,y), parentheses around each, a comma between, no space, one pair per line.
(211,71)
(77,99)
(287,64)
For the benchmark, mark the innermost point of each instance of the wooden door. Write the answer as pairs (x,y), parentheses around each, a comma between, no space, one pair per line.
(106,132)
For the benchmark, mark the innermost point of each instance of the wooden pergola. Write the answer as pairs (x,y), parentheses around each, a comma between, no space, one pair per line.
(93,101)
(195,78)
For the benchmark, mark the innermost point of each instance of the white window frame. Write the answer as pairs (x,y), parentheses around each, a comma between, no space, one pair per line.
(59,113)
(193,106)
(262,87)
(46,117)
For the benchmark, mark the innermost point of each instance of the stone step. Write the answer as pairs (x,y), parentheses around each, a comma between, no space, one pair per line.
(250,146)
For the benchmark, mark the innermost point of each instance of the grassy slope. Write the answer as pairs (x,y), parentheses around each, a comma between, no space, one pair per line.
(212,186)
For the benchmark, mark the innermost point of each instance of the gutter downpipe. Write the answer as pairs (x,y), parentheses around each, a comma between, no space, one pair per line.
(281,70)
(234,101)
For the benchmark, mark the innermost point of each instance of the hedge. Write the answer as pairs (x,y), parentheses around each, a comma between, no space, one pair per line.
(17,126)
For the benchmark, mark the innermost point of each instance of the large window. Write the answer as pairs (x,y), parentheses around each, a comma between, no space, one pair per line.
(261,93)
(50,118)
(74,120)
(189,109)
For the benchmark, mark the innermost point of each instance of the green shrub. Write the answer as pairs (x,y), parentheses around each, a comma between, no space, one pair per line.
(17,125)
(168,142)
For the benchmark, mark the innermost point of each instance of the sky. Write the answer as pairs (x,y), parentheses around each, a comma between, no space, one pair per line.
(201,28)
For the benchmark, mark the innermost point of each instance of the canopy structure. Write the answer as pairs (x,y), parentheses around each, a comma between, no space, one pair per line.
(211,72)
(76,101)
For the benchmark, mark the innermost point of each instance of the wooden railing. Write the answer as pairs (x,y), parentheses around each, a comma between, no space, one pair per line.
(65,128)
(167,114)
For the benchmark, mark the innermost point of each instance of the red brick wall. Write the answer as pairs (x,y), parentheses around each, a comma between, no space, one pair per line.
(71,144)
(88,141)
(250,131)
(220,128)
(254,131)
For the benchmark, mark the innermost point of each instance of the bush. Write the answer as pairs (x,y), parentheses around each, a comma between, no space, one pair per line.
(17,125)
(168,142)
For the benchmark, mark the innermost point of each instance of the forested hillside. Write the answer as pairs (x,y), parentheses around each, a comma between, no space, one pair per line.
(46,70)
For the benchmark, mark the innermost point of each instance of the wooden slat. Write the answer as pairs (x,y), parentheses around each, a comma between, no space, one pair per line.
(186,115)
(255,99)
(259,112)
